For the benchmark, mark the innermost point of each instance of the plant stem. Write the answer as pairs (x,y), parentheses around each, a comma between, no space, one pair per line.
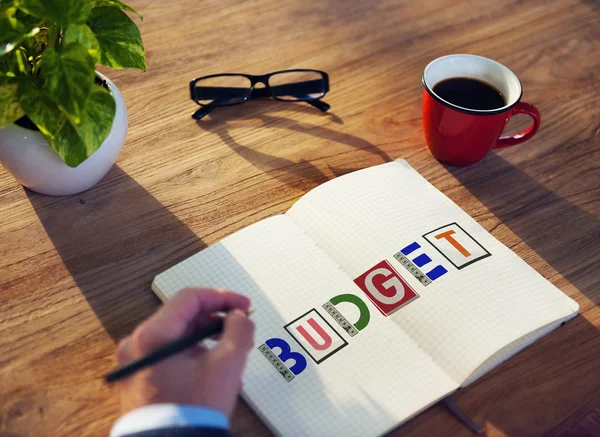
(53,36)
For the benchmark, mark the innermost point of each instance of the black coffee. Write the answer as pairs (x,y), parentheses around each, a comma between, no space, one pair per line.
(470,93)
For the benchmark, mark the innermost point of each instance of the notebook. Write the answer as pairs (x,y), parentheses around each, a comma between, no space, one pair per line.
(374,297)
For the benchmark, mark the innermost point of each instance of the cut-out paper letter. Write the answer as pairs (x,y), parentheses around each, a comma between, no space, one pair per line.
(448,236)
(363,317)
(456,245)
(287,354)
(316,336)
(386,288)
(324,341)
(420,266)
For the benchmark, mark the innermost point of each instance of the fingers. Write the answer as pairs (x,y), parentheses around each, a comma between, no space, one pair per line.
(204,320)
(125,352)
(188,303)
(238,336)
(178,315)
(196,351)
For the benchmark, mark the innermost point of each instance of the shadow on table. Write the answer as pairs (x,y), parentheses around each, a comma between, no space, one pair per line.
(566,237)
(302,175)
(563,234)
(593,4)
(545,386)
(114,238)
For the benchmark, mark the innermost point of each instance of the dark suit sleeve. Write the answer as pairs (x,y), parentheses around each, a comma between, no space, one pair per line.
(182,432)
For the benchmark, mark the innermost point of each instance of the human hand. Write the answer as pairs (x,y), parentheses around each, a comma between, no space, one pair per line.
(198,376)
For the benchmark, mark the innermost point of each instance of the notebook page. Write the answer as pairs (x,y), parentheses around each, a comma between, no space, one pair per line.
(480,299)
(510,350)
(363,385)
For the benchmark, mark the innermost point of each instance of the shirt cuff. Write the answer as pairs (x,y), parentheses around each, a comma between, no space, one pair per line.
(168,416)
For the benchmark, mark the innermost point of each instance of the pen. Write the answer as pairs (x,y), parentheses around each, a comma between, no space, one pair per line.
(167,351)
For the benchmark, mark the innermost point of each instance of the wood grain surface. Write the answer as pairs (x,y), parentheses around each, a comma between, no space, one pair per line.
(75,272)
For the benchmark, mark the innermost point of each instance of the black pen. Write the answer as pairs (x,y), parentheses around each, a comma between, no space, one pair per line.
(167,351)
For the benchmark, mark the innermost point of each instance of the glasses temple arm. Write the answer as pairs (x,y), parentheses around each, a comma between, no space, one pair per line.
(202,112)
(319,104)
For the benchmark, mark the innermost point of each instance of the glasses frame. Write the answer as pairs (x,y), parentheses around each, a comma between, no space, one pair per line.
(260,92)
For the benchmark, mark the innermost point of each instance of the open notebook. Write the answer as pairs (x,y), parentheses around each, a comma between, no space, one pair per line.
(374,297)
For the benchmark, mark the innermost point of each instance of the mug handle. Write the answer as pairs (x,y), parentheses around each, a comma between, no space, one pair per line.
(524,135)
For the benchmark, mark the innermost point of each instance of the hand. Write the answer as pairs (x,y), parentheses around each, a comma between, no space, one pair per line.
(198,376)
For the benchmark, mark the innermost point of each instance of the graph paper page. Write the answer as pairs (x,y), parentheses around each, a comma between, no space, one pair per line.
(363,385)
(481,297)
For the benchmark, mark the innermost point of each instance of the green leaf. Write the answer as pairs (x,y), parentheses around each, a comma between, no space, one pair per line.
(119,38)
(29,21)
(97,119)
(61,12)
(115,4)
(12,32)
(68,76)
(41,109)
(73,143)
(82,34)
(9,102)
(14,63)
(7,6)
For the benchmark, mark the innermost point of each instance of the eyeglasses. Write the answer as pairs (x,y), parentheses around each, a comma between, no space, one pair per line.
(233,89)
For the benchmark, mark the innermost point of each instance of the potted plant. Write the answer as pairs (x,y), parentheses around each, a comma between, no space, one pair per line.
(62,124)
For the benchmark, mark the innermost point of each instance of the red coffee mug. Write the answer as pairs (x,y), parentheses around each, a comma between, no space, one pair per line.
(462,136)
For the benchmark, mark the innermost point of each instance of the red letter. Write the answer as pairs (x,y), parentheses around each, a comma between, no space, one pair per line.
(324,336)
(385,287)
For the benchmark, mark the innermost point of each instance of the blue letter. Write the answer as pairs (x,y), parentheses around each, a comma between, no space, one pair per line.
(286,354)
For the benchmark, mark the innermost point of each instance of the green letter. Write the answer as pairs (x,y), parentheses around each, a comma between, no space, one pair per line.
(363,320)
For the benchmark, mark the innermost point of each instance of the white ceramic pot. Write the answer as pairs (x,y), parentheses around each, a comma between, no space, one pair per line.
(28,157)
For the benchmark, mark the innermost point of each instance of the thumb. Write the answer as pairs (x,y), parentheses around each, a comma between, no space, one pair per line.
(238,335)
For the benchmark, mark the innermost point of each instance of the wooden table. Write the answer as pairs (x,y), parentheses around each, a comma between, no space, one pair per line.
(75,272)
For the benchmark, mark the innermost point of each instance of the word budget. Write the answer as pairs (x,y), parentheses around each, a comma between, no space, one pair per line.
(315,333)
